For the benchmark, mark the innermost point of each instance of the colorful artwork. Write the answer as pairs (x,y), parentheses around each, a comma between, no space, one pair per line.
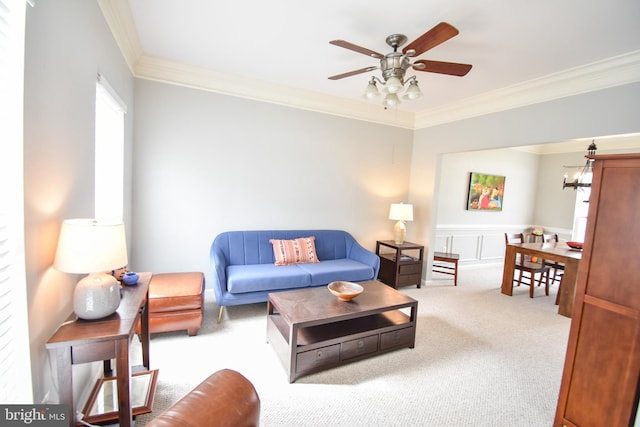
(486,192)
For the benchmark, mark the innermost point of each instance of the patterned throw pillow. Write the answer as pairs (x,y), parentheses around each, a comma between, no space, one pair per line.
(296,251)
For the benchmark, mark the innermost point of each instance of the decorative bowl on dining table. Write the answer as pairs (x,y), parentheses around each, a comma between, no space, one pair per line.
(575,245)
(345,291)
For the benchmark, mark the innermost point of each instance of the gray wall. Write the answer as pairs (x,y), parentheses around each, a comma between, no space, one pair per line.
(520,169)
(533,196)
(554,206)
(611,111)
(207,163)
(67,44)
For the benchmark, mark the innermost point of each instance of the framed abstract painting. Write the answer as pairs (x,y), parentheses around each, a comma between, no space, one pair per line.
(486,192)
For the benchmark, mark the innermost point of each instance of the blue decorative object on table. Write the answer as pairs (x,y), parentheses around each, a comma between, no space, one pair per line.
(130,278)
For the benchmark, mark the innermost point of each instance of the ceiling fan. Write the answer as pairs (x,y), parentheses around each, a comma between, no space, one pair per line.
(395,64)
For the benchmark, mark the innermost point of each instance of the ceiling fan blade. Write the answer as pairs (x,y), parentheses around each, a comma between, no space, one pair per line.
(352,73)
(356,48)
(432,38)
(450,68)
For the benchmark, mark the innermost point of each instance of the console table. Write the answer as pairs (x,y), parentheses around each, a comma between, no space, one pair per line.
(403,266)
(81,341)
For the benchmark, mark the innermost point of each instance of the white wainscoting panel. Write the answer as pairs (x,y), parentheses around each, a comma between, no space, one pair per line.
(466,245)
(477,243)
(492,247)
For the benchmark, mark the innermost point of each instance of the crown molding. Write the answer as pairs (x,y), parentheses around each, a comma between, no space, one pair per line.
(619,70)
(152,68)
(616,71)
(626,142)
(117,13)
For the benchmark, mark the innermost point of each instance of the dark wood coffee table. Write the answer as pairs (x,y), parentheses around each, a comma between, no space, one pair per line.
(311,330)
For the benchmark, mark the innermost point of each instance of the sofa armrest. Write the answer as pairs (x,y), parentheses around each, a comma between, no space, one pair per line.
(219,265)
(358,253)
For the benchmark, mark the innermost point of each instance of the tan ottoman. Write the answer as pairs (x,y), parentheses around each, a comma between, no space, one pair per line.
(176,302)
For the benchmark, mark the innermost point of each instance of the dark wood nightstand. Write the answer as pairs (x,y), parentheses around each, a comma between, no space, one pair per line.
(403,266)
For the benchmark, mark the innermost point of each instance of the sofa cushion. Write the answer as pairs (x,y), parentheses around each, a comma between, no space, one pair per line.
(265,277)
(337,269)
(294,251)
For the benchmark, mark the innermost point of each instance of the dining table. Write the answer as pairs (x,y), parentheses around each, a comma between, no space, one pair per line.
(552,251)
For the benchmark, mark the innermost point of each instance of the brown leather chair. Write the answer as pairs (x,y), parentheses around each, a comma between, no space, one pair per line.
(225,399)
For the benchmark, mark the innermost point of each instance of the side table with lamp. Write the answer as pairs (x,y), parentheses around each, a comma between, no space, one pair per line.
(105,315)
(403,266)
(401,213)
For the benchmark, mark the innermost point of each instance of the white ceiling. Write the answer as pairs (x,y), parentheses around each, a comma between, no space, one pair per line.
(279,50)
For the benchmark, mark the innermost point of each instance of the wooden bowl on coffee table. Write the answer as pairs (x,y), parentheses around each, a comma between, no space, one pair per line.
(345,291)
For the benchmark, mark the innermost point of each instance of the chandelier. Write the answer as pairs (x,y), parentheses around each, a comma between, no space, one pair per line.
(582,179)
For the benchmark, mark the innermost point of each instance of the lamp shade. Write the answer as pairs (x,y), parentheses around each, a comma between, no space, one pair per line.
(90,245)
(393,85)
(413,91)
(371,91)
(401,212)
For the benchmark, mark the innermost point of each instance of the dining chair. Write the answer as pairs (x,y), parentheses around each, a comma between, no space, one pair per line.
(557,268)
(523,264)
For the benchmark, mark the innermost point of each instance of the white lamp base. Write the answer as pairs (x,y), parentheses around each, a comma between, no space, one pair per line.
(96,296)
(399,231)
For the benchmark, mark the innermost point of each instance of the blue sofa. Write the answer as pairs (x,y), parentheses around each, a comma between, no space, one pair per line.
(245,271)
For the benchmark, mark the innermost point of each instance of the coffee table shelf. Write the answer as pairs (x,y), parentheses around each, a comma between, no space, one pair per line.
(322,332)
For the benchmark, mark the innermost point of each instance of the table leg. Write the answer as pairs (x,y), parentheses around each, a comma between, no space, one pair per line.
(293,345)
(568,287)
(455,273)
(65,381)
(123,376)
(413,317)
(145,333)
(507,272)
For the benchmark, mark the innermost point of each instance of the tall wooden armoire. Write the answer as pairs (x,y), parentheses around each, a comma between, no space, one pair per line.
(600,383)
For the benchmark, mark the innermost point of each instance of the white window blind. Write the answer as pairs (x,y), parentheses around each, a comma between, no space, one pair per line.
(15,371)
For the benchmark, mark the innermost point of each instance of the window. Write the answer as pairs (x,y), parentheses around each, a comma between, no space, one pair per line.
(581,211)
(15,369)
(109,153)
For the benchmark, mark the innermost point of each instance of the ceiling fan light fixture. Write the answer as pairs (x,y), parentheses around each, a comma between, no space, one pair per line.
(395,64)
(391,100)
(371,91)
(393,85)
(413,92)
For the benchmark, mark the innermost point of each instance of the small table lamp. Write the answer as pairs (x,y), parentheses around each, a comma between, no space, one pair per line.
(401,213)
(94,247)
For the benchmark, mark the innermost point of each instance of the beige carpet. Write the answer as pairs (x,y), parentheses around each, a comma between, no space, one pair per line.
(481,359)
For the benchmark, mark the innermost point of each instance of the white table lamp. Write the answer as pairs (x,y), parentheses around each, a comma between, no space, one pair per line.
(401,213)
(94,247)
